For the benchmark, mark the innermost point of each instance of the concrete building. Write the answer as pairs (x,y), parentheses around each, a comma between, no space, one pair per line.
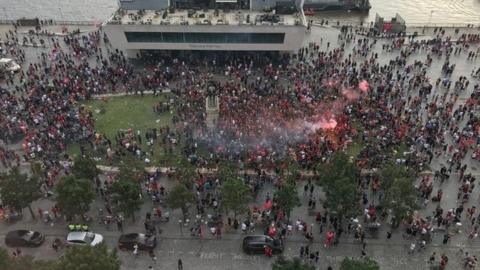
(207,25)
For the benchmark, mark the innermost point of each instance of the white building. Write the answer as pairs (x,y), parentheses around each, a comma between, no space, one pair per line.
(208,25)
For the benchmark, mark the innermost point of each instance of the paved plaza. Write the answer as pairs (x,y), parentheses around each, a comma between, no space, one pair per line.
(226,253)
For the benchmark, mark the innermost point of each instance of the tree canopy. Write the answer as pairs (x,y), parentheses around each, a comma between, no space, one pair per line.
(359,264)
(85,167)
(75,258)
(287,198)
(18,191)
(74,196)
(281,263)
(338,180)
(89,258)
(23,262)
(180,198)
(401,196)
(126,194)
(235,196)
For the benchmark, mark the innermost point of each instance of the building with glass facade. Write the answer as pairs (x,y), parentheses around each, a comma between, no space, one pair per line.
(213,25)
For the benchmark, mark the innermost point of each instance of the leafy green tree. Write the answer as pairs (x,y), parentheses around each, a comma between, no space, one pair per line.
(180,198)
(292,171)
(89,258)
(390,171)
(338,180)
(127,195)
(281,263)
(185,171)
(287,198)
(131,169)
(4,259)
(359,264)
(17,190)
(400,195)
(227,171)
(343,198)
(23,262)
(85,168)
(235,196)
(401,198)
(74,196)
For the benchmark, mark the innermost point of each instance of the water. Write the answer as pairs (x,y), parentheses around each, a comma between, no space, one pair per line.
(413,11)
(442,12)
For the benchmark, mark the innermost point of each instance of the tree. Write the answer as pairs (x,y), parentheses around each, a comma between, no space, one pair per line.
(180,198)
(74,195)
(343,198)
(359,264)
(17,190)
(401,198)
(338,180)
(287,198)
(292,171)
(127,195)
(390,171)
(89,258)
(23,262)
(235,196)
(131,169)
(85,167)
(185,172)
(400,195)
(281,263)
(226,171)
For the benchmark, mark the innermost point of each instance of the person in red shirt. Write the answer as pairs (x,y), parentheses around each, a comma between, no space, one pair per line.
(268,251)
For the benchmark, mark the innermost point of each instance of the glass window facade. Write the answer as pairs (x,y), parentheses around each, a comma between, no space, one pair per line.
(194,37)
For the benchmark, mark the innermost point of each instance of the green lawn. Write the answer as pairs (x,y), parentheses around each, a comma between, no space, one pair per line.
(122,113)
(134,112)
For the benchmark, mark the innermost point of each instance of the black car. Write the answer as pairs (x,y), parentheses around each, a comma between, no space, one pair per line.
(257,243)
(24,238)
(144,242)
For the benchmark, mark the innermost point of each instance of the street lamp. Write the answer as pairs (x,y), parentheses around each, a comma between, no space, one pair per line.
(180,224)
(430,18)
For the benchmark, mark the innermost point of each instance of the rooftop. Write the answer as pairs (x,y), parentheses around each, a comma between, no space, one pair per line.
(203,17)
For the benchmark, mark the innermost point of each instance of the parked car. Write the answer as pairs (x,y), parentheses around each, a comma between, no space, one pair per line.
(24,238)
(84,238)
(8,64)
(144,242)
(257,243)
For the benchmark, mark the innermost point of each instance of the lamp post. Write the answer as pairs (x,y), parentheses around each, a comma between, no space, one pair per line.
(430,18)
(180,224)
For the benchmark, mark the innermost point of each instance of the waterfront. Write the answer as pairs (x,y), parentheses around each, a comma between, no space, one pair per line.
(445,12)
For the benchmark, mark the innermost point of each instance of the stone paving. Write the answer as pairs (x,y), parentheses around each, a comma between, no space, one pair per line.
(211,253)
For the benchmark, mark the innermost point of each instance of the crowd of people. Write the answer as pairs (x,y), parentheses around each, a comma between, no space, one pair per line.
(301,108)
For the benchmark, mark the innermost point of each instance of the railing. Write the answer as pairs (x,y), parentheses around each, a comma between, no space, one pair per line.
(409,25)
(56,22)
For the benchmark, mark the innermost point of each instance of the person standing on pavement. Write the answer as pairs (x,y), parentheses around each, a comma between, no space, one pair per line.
(135,250)
(119,224)
(180,264)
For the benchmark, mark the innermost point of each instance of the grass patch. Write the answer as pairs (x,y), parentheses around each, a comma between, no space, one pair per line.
(126,112)
(122,113)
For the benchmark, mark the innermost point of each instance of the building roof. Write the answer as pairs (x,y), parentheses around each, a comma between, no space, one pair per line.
(204,17)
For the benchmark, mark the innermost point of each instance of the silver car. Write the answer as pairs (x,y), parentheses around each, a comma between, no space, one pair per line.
(84,238)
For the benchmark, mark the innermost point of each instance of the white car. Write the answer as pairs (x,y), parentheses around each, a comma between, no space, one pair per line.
(84,238)
(8,64)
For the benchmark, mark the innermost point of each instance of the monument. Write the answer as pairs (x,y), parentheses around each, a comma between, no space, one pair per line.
(212,107)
